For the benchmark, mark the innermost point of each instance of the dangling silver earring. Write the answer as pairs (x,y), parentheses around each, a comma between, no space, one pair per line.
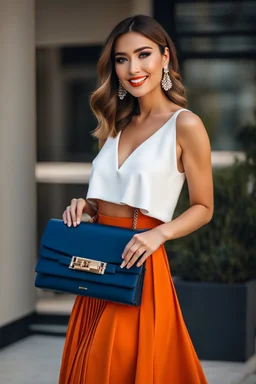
(121,91)
(166,80)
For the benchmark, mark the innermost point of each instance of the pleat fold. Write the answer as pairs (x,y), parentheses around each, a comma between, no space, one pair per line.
(82,325)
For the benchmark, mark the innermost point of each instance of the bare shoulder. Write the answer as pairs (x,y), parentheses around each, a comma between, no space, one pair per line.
(188,122)
(190,129)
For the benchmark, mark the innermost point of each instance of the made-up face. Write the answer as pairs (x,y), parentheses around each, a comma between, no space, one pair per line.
(139,63)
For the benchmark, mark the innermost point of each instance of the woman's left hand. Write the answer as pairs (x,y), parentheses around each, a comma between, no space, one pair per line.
(145,242)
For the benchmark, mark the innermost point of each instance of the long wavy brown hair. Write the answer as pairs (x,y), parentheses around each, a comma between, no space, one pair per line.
(112,113)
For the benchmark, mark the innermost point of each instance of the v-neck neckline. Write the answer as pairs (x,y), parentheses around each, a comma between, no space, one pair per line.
(139,146)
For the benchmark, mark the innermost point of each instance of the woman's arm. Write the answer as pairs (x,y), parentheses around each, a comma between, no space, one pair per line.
(196,158)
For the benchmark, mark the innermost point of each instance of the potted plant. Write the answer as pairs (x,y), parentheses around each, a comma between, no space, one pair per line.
(215,267)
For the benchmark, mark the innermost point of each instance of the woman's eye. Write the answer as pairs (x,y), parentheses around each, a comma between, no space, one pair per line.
(145,54)
(120,60)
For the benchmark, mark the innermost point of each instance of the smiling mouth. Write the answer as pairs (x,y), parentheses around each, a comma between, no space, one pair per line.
(138,82)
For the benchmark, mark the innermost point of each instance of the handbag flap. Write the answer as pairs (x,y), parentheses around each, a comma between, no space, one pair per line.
(88,240)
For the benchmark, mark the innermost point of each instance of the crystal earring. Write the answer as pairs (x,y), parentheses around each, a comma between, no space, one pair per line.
(121,91)
(166,80)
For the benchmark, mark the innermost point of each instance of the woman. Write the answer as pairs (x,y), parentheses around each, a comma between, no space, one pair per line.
(148,144)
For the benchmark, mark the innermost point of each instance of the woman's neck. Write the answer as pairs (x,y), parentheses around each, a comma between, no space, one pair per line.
(153,103)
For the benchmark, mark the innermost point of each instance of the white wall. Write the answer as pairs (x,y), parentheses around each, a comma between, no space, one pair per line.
(17,160)
(82,21)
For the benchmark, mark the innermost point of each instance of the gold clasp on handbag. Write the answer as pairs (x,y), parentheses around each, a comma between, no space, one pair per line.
(87,265)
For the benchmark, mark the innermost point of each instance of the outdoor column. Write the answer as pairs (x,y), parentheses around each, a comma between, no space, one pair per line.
(17,168)
(142,7)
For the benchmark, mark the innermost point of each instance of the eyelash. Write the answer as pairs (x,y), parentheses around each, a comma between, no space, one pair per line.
(145,54)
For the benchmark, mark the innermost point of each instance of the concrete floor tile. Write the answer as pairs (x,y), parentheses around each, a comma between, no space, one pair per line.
(36,360)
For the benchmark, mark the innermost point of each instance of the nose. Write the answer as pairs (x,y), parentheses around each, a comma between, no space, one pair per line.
(134,66)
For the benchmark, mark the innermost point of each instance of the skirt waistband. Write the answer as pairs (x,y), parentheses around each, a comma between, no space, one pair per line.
(143,221)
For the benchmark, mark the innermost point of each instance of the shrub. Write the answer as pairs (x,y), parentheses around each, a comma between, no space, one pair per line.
(225,249)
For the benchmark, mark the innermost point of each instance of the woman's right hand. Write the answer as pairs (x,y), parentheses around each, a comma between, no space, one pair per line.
(73,212)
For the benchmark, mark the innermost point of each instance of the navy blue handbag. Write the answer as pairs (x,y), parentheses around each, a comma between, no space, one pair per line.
(85,260)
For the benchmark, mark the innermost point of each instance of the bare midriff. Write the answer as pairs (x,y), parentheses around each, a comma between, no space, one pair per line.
(117,210)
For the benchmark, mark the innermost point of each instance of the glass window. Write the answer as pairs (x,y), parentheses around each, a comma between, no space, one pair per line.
(79,121)
(66,77)
(216,16)
(223,94)
(220,44)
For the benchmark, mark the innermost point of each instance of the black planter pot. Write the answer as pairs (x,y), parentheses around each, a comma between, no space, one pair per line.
(221,318)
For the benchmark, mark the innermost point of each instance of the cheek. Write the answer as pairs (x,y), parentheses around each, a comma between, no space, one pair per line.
(154,68)
(120,71)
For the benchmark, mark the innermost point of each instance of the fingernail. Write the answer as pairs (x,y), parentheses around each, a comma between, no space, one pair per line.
(122,265)
(128,265)
(69,224)
(74,224)
(78,221)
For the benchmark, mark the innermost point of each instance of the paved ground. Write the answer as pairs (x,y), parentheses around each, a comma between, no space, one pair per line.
(36,360)
(250,380)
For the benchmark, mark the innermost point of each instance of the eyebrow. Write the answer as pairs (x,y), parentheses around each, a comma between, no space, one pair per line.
(136,50)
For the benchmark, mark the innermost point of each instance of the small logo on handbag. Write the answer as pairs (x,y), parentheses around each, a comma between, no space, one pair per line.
(84,288)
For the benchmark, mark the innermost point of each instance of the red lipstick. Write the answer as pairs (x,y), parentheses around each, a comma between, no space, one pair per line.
(137,81)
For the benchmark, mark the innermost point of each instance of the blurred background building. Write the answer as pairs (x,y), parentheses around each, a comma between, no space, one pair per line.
(48,55)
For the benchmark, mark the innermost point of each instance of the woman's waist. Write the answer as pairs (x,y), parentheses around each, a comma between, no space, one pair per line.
(125,218)
(108,208)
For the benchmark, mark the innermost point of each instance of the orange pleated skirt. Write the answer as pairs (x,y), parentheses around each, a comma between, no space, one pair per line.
(109,343)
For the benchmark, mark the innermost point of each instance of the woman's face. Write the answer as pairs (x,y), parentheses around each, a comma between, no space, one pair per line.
(139,63)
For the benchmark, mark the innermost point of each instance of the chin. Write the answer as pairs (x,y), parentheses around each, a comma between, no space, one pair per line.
(139,92)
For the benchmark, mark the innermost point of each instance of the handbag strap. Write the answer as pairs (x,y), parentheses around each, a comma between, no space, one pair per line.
(135,218)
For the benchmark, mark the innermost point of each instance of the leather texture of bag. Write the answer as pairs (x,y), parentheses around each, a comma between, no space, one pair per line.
(85,260)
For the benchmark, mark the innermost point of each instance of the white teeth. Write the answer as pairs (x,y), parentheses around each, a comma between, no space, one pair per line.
(138,80)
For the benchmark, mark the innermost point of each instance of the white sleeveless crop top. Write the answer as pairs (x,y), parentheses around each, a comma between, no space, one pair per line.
(148,179)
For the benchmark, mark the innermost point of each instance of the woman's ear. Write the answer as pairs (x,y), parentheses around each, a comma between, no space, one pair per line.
(166,56)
